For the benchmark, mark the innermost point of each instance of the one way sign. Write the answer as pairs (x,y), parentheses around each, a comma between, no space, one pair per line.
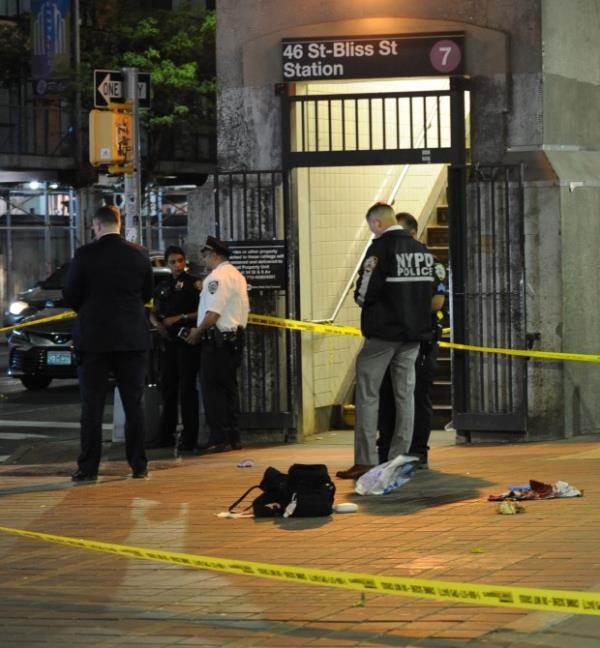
(110,88)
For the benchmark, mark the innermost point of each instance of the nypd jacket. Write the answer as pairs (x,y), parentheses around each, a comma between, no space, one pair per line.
(394,288)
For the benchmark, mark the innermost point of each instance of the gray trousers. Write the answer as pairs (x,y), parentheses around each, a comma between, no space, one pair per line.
(371,364)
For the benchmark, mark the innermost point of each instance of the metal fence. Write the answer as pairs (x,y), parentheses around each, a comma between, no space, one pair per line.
(372,128)
(253,206)
(492,299)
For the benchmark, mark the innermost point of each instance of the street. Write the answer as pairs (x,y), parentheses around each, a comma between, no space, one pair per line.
(30,418)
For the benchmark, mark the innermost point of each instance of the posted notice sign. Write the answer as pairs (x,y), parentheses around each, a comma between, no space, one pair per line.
(263,263)
(368,57)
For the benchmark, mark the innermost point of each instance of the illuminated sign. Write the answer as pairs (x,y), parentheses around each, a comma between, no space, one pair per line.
(367,57)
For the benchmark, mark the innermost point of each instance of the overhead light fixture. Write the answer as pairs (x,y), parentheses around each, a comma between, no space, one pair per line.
(53,185)
(34,184)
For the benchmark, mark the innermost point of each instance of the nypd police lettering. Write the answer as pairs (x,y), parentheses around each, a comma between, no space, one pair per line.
(368,57)
(413,266)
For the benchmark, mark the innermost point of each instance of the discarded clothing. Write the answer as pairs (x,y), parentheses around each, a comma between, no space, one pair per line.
(387,477)
(537,490)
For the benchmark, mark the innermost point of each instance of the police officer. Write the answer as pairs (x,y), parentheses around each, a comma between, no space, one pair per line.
(222,318)
(175,306)
(425,366)
(394,291)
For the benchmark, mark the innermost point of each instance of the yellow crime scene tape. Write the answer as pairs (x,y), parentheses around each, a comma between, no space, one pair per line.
(41,320)
(338,329)
(566,601)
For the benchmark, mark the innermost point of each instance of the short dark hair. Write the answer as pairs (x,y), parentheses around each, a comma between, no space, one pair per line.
(378,210)
(173,249)
(408,221)
(108,215)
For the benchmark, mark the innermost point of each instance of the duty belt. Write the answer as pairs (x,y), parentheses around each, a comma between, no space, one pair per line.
(214,336)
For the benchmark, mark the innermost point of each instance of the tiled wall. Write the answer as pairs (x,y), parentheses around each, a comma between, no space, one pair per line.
(333,234)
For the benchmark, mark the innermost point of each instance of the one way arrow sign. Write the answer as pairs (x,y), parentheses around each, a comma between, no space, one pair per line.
(110,88)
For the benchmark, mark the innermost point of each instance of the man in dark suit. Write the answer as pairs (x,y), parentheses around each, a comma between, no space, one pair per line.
(108,283)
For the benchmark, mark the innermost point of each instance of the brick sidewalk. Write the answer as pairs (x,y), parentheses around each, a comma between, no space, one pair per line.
(437,526)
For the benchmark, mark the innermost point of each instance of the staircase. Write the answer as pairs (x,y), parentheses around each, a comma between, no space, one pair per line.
(436,239)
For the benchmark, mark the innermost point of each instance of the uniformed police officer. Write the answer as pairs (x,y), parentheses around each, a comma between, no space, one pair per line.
(222,318)
(175,306)
(425,366)
(394,290)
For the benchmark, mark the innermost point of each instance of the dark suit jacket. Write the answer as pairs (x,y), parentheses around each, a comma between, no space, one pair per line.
(109,282)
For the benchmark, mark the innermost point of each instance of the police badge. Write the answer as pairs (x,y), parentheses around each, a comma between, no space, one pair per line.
(370,264)
(212,287)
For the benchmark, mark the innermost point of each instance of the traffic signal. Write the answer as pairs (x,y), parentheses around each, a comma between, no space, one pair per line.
(111,138)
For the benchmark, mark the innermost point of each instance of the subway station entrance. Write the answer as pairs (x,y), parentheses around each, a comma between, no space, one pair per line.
(348,143)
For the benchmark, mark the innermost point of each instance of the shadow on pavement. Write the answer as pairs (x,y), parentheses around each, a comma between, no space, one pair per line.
(425,490)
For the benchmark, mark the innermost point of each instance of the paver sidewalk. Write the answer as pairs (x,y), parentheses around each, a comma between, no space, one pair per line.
(438,526)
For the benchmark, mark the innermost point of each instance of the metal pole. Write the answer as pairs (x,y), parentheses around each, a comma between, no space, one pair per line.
(47,242)
(133,181)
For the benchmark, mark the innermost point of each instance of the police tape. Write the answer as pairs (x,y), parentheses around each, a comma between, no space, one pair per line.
(339,329)
(41,320)
(336,329)
(542,355)
(549,600)
(297,325)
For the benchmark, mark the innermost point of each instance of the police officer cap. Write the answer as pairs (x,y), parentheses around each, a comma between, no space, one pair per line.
(214,245)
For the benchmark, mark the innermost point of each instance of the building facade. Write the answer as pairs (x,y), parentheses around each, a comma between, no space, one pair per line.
(502,124)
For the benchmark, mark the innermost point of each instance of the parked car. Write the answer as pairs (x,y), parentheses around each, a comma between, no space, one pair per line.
(48,293)
(45,294)
(40,353)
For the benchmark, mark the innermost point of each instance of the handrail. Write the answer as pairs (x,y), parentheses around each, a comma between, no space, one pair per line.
(401,177)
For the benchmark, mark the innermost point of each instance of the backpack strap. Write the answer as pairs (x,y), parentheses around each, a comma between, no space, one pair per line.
(231,509)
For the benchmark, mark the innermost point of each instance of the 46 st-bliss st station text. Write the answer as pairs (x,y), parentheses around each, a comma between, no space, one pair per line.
(297,54)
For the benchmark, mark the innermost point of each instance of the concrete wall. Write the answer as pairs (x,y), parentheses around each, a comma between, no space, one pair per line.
(535,84)
(571,133)
(506,73)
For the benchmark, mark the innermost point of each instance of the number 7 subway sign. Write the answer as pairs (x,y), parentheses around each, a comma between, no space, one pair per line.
(364,57)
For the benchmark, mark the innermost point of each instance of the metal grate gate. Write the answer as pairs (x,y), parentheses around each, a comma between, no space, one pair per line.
(489,302)
(253,206)
(374,128)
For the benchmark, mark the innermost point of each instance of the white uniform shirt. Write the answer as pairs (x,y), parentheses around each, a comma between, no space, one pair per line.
(225,292)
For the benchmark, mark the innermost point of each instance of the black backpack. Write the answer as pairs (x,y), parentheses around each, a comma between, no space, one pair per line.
(306,491)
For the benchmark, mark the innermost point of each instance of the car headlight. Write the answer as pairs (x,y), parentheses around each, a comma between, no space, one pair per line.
(17,307)
(19,335)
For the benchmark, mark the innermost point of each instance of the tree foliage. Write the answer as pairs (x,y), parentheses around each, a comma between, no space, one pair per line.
(177,47)
(14,51)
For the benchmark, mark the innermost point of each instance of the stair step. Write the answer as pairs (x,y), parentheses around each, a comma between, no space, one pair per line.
(441,392)
(441,253)
(442,214)
(442,414)
(437,235)
(444,369)
(443,351)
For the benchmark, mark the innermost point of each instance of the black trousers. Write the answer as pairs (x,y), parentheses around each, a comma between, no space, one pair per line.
(219,366)
(425,374)
(129,370)
(179,365)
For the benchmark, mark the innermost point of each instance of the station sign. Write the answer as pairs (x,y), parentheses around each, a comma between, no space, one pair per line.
(369,57)
(263,263)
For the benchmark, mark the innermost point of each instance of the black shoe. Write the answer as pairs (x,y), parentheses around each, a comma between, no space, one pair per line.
(186,448)
(79,477)
(213,449)
(356,471)
(139,474)
(160,444)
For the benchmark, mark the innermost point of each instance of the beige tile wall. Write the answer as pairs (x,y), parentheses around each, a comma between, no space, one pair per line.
(333,234)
